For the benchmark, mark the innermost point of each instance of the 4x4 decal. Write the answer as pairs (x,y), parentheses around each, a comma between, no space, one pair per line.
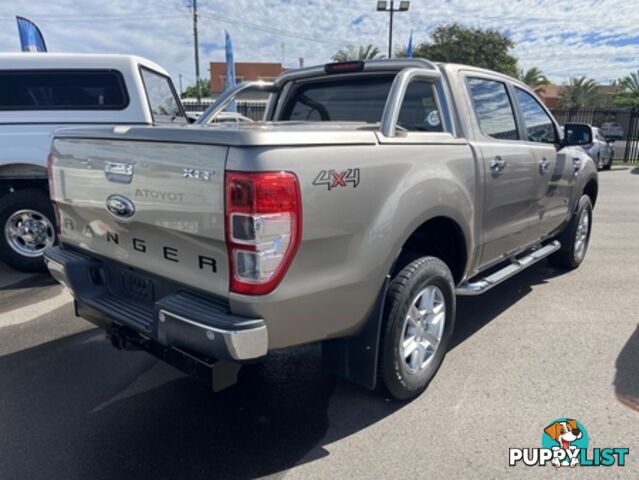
(333,179)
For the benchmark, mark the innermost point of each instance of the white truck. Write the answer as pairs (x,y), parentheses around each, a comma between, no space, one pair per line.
(41,92)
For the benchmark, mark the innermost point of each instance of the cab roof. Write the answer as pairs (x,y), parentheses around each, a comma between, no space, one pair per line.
(30,60)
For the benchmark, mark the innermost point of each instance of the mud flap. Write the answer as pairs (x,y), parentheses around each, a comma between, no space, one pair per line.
(356,358)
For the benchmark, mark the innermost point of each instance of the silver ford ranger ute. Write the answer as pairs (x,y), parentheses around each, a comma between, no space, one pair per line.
(370,197)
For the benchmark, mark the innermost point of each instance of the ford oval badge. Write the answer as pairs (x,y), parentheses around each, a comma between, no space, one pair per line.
(120,207)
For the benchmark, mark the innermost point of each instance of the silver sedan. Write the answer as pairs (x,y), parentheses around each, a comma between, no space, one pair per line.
(600,150)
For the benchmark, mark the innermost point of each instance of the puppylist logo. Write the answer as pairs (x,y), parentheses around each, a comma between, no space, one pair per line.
(564,442)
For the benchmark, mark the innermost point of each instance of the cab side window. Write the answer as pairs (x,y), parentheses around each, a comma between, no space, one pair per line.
(493,108)
(539,126)
(419,112)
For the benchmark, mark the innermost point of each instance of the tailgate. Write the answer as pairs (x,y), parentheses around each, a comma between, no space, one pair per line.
(155,206)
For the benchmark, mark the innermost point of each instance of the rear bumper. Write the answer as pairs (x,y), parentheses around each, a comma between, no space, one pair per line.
(171,315)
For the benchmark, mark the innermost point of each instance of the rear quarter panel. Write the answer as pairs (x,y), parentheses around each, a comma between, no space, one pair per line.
(25,145)
(352,234)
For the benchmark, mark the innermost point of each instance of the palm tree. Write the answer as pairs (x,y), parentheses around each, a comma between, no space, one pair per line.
(534,78)
(363,52)
(579,92)
(201,89)
(628,94)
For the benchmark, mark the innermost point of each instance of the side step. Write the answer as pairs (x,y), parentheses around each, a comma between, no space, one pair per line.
(484,284)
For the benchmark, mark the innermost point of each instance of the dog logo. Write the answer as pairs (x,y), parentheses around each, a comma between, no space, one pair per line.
(564,442)
(564,434)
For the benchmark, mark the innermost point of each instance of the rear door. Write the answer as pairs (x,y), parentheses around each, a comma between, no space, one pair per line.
(554,175)
(509,168)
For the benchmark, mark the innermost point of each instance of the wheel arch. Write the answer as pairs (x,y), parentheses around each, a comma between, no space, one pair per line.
(441,236)
(23,171)
(592,190)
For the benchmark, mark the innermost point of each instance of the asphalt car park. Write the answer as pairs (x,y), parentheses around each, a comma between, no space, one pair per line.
(542,346)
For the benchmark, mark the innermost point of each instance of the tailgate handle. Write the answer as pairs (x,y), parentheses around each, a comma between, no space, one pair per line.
(118,172)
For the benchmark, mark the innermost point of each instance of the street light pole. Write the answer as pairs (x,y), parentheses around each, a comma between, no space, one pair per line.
(383,6)
(197,53)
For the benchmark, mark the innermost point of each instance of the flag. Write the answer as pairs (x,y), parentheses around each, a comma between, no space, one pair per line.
(31,38)
(409,49)
(230,70)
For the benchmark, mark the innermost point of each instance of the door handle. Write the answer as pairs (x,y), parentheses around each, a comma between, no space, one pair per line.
(544,164)
(497,165)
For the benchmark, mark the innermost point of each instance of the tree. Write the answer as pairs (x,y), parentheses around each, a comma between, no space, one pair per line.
(202,86)
(455,43)
(363,52)
(534,78)
(628,94)
(580,92)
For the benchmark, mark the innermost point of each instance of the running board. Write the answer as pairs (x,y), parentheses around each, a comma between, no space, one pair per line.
(518,264)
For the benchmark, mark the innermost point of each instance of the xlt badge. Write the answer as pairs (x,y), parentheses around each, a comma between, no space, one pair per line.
(203,175)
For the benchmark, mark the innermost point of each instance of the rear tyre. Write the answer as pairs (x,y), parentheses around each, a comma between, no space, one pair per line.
(418,323)
(575,238)
(27,227)
(608,165)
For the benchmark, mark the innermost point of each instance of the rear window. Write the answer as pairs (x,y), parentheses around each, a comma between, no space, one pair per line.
(62,90)
(357,100)
(163,101)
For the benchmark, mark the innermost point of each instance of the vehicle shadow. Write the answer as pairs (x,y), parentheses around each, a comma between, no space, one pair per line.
(14,280)
(86,410)
(627,376)
(635,171)
(474,313)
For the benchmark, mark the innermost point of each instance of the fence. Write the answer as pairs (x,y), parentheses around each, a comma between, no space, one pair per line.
(251,109)
(627,146)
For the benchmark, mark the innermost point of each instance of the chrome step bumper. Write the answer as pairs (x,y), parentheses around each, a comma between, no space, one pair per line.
(180,319)
(481,285)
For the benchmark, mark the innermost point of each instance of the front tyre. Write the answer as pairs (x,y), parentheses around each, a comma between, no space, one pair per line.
(418,325)
(27,227)
(575,238)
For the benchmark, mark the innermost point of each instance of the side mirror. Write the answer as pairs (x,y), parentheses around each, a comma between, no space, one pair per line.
(577,134)
(610,140)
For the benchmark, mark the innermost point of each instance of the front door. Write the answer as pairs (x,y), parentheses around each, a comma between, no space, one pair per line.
(554,177)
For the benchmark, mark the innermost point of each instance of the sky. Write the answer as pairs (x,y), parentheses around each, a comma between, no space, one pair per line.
(598,38)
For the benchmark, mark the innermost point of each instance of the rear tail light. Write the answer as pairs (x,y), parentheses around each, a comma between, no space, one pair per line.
(58,224)
(263,228)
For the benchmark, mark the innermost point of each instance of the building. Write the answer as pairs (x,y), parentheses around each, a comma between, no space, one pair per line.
(244,72)
(550,95)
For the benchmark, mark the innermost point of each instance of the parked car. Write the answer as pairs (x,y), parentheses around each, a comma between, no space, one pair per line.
(375,193)
(601,149)
(228,118)
(612,130)
(41,92)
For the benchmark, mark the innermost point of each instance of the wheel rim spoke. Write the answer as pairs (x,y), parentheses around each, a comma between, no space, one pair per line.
(423,328)
(414,315)
(432,340)
(28,233)
(409,347)
(581,235)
